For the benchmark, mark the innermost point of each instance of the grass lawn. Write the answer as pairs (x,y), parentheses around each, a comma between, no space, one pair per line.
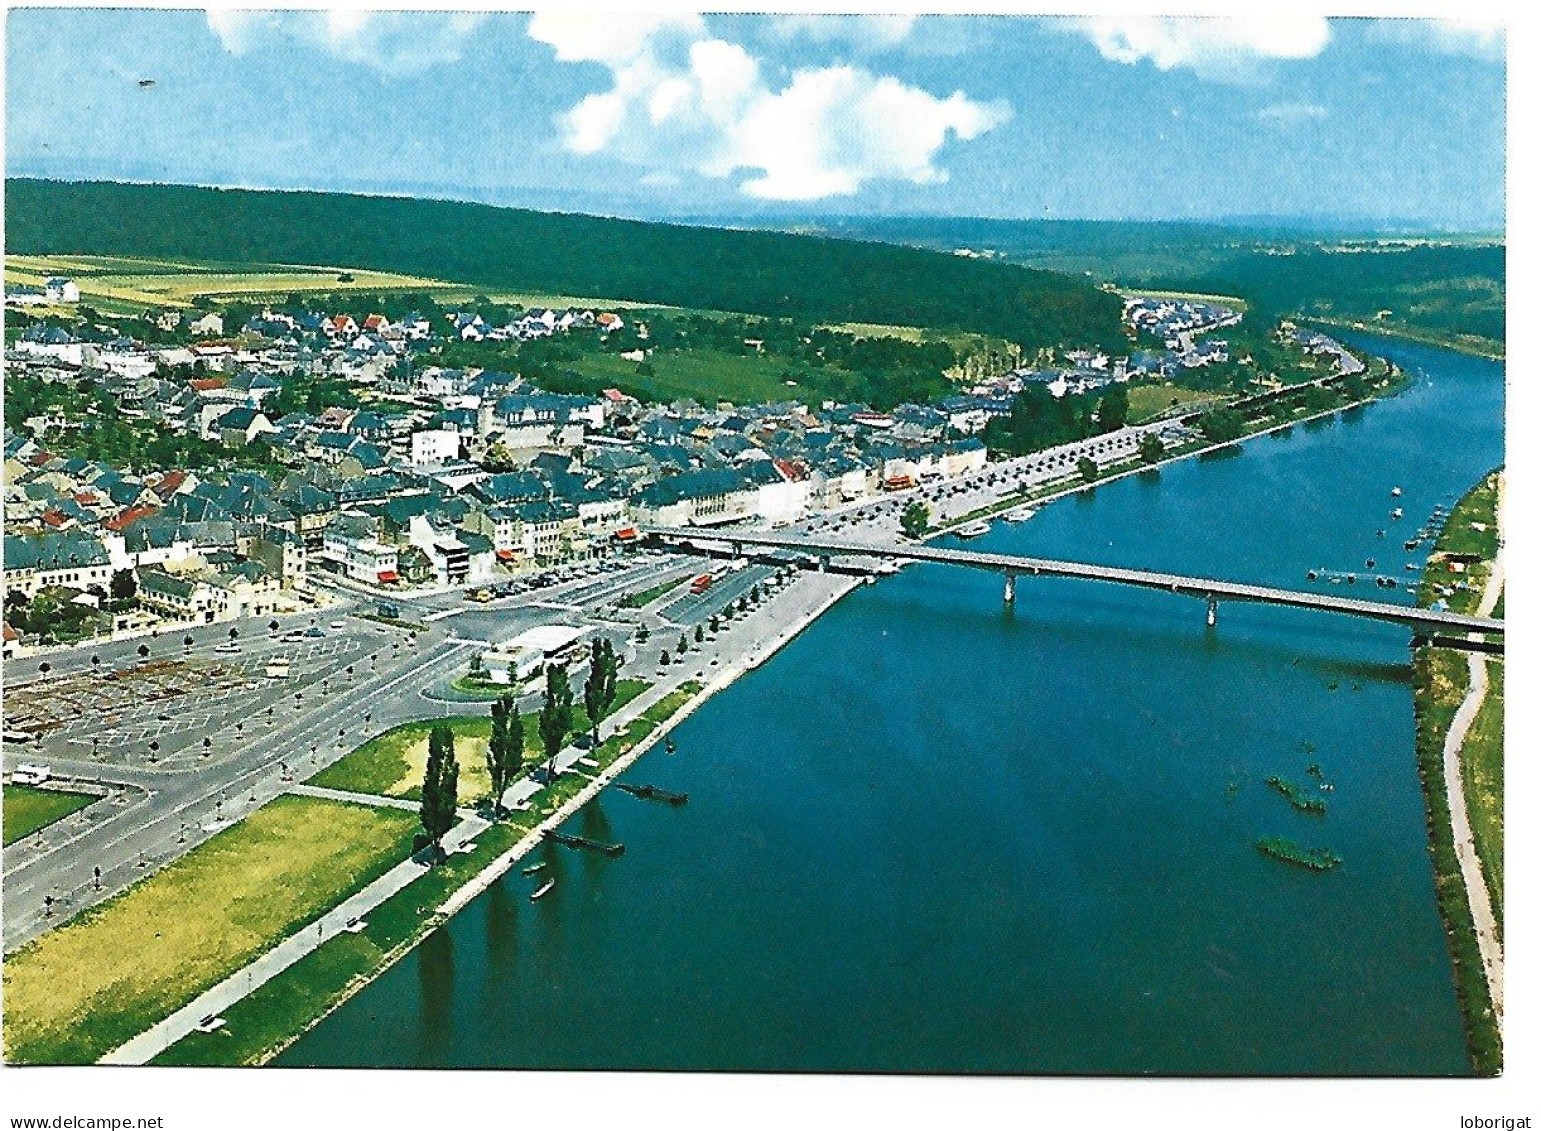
(1146,401)
(1482,769)
(281,1008)
(78,992)
(28,809)
(648,596)
(392,764)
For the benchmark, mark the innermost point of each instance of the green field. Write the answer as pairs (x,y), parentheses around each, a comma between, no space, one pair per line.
(1482,769)
(27,809)
(1146,401)
(118,284)
(78,992)
(392,764)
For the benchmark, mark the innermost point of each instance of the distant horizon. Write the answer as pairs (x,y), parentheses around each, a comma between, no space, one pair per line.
(1305,225)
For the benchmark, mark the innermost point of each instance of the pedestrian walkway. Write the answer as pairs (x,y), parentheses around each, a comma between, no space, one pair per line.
(348,795)
(149,1044)
(1484,922)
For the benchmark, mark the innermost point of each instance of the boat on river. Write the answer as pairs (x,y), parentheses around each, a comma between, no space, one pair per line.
(533,868)
(542,890)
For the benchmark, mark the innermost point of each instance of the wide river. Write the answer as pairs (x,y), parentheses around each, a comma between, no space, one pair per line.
(936,834)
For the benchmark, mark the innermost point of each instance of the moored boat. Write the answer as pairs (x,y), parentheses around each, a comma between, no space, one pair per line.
(973,529)
(542,890)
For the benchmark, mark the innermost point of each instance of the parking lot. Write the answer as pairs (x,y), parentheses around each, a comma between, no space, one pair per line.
(160,711)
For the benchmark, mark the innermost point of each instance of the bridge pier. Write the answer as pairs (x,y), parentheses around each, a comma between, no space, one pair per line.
(823,563)
(1011,589)
(1211,613)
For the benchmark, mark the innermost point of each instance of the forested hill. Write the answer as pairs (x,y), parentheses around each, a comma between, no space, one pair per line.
(1451,291)
(808,278)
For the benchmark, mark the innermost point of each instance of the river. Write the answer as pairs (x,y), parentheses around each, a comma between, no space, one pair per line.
(937,834)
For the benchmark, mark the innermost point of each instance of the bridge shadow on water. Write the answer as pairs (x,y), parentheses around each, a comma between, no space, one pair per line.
(1331,646)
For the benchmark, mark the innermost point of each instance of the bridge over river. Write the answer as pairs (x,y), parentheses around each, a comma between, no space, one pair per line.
(1208,589)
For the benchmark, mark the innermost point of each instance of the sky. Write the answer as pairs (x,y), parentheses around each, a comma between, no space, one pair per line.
(678,115)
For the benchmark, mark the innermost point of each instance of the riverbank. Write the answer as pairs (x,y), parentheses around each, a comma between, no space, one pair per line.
(1470,345)
(1075,483)
(277,1013)
(1450,688)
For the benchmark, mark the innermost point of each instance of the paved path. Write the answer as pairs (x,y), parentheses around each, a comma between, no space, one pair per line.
(1489,944)
(149,1044)
(355,798)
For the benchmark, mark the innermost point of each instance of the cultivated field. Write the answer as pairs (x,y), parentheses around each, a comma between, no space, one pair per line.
(121,285)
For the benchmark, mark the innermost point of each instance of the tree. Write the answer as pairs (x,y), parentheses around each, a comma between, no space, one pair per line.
(663,658)
(123,584)
(642,634)
(1221,425)
(682,647)
(915,520)
(1113,409)
(700,634)
(144,650)
(1087,468)
(556,715)
(505,749)
(234,632)
(441,786)
(1151,448)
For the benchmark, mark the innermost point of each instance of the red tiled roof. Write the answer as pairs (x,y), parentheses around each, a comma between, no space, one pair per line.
(55,517)
(207,384)
(170,482)
(10,633)
(388,575)
(132,515)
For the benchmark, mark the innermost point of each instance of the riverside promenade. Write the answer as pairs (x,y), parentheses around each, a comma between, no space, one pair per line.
(1489,944)
(744,646)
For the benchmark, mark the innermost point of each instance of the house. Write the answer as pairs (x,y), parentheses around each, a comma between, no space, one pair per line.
(339,326)
(707,497)
(34,562)
(240,426)
(210,323)
(58,289)
(435,446)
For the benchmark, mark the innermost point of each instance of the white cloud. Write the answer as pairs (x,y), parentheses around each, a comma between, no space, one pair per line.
(683,102)
(389,42)
(1292,113)
(863,33)
(1231,49)
(1480,39)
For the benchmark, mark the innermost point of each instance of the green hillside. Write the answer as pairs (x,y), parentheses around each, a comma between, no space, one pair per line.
(1444,293)
(810,279)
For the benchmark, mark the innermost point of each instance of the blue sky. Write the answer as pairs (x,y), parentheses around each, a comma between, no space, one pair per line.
(680,115)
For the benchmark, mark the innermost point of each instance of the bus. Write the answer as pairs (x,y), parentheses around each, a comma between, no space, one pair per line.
(701,584)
